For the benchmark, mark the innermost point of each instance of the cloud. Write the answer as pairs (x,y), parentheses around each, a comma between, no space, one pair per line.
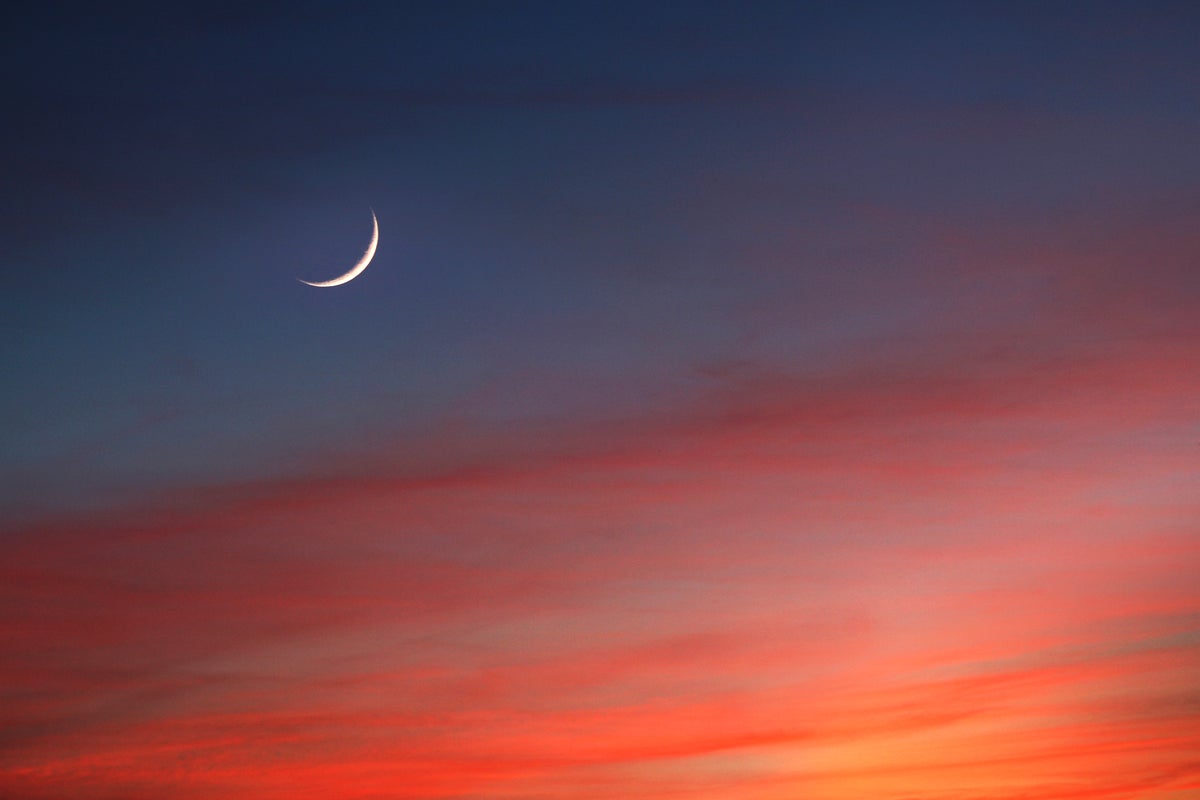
(970,565)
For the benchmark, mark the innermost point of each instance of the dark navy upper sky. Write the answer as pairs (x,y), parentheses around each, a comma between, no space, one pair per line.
(585,209)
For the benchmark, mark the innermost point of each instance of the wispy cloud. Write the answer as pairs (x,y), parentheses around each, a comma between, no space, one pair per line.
(927,584)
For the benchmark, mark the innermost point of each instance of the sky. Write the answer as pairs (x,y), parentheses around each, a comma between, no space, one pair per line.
(768,401)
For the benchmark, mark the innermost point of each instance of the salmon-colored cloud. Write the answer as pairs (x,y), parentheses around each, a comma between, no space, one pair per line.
(973,577)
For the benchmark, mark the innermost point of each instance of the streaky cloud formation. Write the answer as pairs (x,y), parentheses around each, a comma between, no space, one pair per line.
(776,401)
(966,586)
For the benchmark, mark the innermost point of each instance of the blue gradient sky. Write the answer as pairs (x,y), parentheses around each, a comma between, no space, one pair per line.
(581,207)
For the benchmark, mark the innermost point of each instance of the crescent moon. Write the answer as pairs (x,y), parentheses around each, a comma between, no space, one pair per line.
(357,269)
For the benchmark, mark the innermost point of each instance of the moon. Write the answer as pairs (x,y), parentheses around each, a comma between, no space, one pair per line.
(357,269)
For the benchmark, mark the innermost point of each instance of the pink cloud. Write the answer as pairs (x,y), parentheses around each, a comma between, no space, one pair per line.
(968,578)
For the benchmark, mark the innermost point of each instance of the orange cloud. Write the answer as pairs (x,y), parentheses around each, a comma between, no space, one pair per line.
(972,581)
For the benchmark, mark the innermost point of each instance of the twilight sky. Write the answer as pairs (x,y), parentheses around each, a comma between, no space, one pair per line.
(771,401)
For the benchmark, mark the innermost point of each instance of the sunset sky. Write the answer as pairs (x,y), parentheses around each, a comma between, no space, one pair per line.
(746,401)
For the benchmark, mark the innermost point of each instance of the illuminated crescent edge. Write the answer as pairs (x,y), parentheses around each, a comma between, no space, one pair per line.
(357,269)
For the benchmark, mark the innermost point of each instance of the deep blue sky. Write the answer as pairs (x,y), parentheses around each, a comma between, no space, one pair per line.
(582,206)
